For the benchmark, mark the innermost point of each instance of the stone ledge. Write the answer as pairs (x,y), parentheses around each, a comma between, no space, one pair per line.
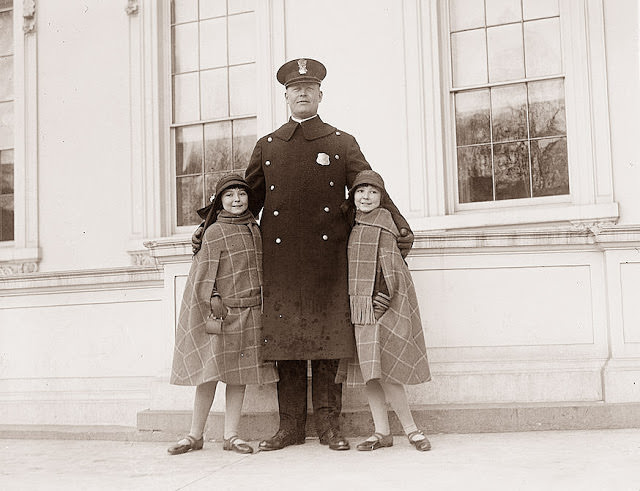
(163,426)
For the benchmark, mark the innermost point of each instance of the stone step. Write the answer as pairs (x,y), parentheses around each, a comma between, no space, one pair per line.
(431,418)
(157,425)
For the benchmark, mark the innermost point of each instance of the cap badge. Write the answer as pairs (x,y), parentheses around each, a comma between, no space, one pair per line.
(302,66)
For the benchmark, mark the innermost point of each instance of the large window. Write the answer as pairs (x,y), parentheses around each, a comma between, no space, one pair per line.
(6,122)
(214,96)
(509,100)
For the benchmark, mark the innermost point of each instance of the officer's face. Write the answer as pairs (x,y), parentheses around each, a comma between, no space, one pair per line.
(303,99)
(367,197)
(235,200)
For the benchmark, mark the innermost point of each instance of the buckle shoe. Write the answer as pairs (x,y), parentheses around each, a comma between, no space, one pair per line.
(192,444)
(376,441)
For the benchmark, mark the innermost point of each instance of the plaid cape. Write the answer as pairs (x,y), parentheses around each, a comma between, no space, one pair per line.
(230,261)
(390,348)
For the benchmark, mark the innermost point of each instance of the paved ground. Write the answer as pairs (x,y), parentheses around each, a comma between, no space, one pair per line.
(546,460)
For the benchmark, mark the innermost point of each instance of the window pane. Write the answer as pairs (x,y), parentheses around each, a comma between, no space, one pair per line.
(242,38)
(213,43)
(189,150)
(468,50)
(503,11)
(6,174)
(186,94)
(6,33)
(546,108)
(475,180)
(244,139)
(242,81)
(185,48)
(6,78)
(217,137)
(472,117)
(184,11)
(466,14)
(6,217)
(509,110)
(511,167)
(215,99)
(213,8)
(550,167)
(236,6)
(189,198)
(542,47)
(534,9)
(6,125)
(505,53)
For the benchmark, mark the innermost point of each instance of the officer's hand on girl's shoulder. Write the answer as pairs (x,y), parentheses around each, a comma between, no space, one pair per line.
(405,241)
(196,239)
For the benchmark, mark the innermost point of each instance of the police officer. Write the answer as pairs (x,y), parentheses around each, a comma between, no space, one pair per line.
(298,175)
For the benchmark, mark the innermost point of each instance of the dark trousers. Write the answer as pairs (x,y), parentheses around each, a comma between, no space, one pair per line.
(326,395)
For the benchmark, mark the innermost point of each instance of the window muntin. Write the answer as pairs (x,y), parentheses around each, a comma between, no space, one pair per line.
(7,201)
(214,96)
(508,97)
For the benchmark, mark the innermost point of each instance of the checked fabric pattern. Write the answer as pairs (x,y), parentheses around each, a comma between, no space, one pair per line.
(231,261)
(392,348)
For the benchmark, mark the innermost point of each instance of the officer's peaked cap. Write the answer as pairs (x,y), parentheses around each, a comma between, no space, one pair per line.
(301,70)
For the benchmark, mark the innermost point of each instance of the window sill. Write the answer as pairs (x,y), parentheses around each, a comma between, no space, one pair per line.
(588,215)
(15,260)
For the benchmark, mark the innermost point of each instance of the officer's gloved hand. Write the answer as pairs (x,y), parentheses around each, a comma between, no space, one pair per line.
(405,241)
(196,239)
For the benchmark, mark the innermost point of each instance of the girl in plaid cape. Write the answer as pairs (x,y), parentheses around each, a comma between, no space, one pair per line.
(219,328)
(390,346)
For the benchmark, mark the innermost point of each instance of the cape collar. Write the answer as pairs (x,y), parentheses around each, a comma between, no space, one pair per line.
(312,129)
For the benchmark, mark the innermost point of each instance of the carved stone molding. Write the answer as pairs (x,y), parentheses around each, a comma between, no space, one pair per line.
(132,7)
(9,269)
(143,258)
(593,234)
(170,249)
(29,16)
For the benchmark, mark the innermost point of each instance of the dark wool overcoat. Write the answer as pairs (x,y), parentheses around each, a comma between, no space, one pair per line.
(299,175)
(229,262)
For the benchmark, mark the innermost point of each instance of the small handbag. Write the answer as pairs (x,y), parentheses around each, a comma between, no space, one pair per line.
(213,324)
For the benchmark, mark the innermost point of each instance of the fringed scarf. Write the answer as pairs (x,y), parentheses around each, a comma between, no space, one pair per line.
(363,261)
(247,219)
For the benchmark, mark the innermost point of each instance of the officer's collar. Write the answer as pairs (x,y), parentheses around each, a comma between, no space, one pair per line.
(312,129)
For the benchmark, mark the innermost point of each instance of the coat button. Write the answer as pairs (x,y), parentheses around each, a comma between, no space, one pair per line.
(276,213)
(269,140)
(278,240)
(272,187)
(337,157)
(241,355)
(267,163)
(331,183)
(326,209)
(338,133)
(325,237)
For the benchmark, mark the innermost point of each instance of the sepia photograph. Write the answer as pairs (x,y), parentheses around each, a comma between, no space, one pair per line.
(320,245)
